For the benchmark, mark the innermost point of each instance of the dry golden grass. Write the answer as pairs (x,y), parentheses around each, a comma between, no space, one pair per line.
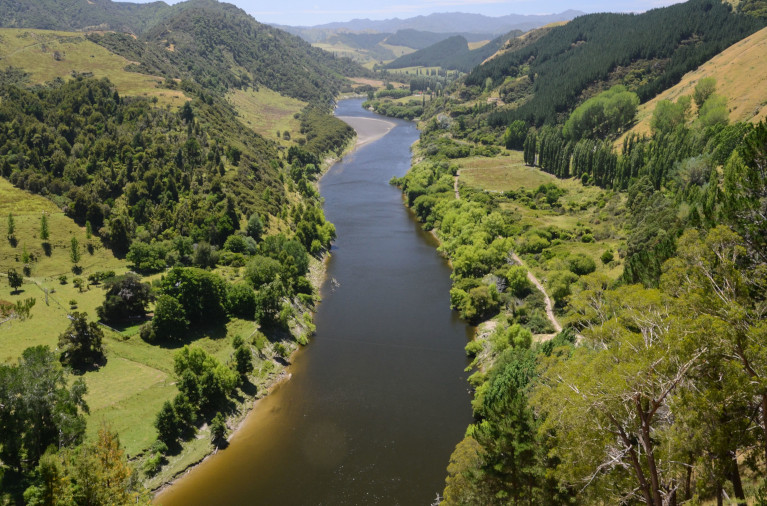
(33,51)
(741,76)
(478,44)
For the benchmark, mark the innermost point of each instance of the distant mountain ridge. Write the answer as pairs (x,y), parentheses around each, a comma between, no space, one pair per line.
(442,22)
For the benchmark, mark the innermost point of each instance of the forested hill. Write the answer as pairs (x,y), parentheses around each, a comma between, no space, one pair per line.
(216,44)
(648,52)
(452,53)
(222,47)
(80,14)
(436,55)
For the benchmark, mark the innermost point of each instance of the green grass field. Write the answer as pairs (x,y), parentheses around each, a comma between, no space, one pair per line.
(584,207)
(266,112)
(46,55)
(128,391)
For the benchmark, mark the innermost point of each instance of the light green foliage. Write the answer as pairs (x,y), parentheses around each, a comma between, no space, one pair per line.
(74,251)
(515,135)
(606,114)
(204,380)
(703,90)
(668,115)
(517,282)
(96,474)
(515,336)
(615,391)
(714,111)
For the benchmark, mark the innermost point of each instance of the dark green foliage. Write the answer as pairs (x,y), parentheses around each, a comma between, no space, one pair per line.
(243,360)
(447,51)
(167,425)
(568,59)
(324,133)
(126,298)
(221,47)
(581,264)
(745,191)
(78,14)
(81,343)
(39,407)
(101,150)
(241,301)
(255,227)
(169,321)
(147,258)
(202,294)
(436,55)
(15,280)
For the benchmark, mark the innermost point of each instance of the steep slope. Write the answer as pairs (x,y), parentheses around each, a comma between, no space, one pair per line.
(648,52)
(740,74)
(453,53)
(222,47)
(437,55)
(79,14)
(46,55)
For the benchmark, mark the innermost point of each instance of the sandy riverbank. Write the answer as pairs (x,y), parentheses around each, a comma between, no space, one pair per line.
(368,129)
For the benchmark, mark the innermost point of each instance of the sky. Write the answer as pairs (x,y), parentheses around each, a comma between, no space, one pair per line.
(315,12)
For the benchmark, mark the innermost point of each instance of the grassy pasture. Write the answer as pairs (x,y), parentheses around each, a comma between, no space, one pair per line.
(128,391)
(584,207)
(46,55)
(266,111)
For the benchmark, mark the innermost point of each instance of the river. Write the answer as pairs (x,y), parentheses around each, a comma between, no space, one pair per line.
(378,399)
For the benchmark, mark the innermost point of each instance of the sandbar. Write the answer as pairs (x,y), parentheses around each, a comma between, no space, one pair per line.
(368,129)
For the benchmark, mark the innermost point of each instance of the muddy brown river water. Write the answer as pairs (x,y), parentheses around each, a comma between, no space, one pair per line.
(378,399)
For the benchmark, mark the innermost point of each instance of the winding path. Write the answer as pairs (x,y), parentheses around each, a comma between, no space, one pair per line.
(531,277)
(546,298)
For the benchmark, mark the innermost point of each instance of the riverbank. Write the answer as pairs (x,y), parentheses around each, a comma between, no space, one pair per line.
(368,129)
(199,451)
(343,429)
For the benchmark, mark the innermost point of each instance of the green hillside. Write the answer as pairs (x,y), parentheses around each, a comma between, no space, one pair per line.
(134,153)
(453,53)
(79,14)
(647,52)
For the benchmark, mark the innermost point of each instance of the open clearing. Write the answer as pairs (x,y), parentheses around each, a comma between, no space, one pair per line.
(266,111)
(586,209)
(46,55)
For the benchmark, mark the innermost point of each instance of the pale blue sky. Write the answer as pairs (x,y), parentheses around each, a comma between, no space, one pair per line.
(315,12)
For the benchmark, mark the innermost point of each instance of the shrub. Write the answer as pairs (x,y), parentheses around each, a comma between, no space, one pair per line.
(581,264)
(241,301)
(607,256)
(169,320)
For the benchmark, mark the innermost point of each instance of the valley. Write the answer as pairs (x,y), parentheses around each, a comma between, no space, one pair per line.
(499,260)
